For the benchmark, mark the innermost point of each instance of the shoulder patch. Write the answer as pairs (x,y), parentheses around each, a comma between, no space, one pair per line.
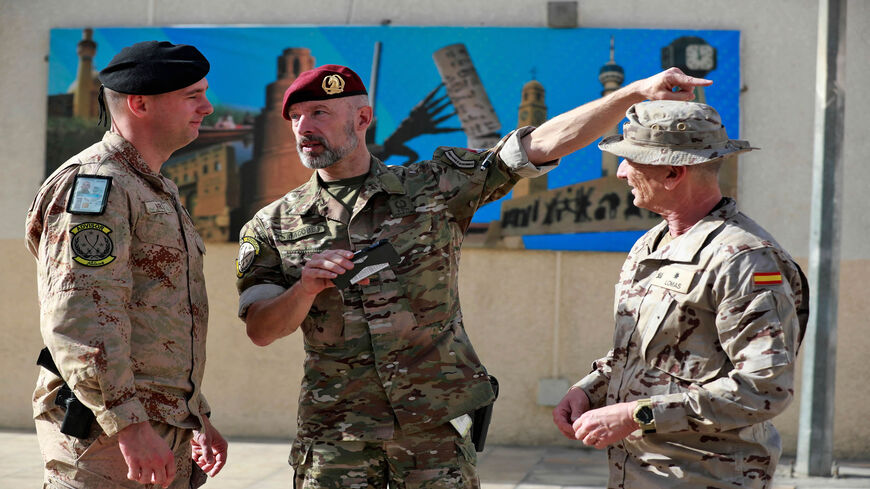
(248,250)
(768,278)
(89,195)
(91,244)
(457,161)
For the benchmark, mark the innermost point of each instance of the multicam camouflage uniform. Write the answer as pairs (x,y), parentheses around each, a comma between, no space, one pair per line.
(123,308)
(391,357)
(707,328)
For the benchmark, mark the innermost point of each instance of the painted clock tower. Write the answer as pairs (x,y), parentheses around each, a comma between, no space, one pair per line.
(693,55)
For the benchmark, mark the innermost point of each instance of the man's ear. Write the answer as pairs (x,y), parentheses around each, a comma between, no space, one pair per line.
(364,117)
(139,105)
(674,176)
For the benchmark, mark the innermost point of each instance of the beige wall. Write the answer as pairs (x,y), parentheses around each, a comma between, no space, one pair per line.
(512,307)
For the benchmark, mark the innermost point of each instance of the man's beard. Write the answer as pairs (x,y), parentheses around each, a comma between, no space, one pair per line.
(328,156)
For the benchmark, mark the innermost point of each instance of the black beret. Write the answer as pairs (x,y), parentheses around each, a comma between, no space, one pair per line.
(322,83)
(152,67)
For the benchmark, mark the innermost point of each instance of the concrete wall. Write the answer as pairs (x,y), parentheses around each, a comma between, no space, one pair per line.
(549,310)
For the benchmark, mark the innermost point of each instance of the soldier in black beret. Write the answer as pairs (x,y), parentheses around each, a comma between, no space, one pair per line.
(125,343)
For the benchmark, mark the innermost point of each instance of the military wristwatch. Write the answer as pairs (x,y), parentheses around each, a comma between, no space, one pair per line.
(643,416)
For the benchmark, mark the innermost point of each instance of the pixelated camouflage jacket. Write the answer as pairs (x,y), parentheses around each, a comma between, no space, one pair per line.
(707,328)
(395,350)
(128,336)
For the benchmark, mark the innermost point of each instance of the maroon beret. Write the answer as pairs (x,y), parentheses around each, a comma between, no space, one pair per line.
(323,83)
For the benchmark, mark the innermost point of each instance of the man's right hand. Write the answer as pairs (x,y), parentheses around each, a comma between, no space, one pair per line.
(321,268)
(149,459)
(571,407)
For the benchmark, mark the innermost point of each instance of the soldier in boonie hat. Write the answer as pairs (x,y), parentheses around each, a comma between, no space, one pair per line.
(671,132)
(729,311)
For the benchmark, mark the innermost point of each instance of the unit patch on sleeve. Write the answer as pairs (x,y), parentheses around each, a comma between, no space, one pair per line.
(770,278)
(459,162)
(248,250)
(91,244)
(89,195)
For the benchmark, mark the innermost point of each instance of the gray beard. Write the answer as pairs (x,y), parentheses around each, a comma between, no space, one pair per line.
(329,156)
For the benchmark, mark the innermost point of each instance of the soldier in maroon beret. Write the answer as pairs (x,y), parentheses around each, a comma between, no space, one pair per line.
(391,380)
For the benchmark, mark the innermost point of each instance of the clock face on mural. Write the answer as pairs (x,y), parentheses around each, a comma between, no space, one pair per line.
(700,57)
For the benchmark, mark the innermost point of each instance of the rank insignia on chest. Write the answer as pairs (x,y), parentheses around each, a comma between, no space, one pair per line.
(769,278)
(89,195)
(673,278)
(91,244)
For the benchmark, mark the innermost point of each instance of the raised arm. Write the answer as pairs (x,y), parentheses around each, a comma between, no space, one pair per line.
(575,129)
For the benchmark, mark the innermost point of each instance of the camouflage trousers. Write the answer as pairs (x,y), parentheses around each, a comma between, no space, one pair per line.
(437,458)
(96,462)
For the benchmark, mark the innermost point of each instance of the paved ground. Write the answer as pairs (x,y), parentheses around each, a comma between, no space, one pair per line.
(257,464)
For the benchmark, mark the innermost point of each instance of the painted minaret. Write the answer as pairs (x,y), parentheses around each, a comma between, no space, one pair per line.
(611,76)
(84,89)
(275,168)
(532,112)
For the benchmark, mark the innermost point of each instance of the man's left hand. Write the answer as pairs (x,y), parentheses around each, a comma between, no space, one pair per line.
(605,426)
(209,448)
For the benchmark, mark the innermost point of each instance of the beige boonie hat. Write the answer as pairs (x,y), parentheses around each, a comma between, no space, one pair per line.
(671,132)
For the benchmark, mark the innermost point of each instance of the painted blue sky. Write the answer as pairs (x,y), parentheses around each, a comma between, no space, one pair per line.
(566,61)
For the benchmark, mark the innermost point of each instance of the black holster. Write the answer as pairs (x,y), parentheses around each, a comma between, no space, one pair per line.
(481,418)
(77,418)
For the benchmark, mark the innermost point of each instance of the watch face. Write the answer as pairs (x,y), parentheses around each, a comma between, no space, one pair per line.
(645,415)
(700,57)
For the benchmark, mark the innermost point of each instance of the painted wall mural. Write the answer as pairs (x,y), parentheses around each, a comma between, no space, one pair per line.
(430,87)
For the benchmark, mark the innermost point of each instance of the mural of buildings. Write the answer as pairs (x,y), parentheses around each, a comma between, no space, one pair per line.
(208,184)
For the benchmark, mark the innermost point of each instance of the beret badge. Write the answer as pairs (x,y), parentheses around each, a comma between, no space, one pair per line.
(333,84)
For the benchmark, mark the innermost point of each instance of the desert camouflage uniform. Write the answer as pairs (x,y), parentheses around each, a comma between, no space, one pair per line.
(712,344)
(128,336)
(390,358)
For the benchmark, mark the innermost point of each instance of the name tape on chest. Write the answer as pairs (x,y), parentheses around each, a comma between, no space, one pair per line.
(158,207)
(305,231)
(678,279)
(89,195)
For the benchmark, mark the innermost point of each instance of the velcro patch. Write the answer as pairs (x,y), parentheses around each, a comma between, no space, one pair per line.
(769,278)
(91,244)
(459,162)
(158,207)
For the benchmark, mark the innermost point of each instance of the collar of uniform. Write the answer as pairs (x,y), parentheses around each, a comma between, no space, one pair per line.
(129,152)
(380,178)
(385,180)
(686,246)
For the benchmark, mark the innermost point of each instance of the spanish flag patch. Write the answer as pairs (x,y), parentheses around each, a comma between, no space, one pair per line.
(767,278)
